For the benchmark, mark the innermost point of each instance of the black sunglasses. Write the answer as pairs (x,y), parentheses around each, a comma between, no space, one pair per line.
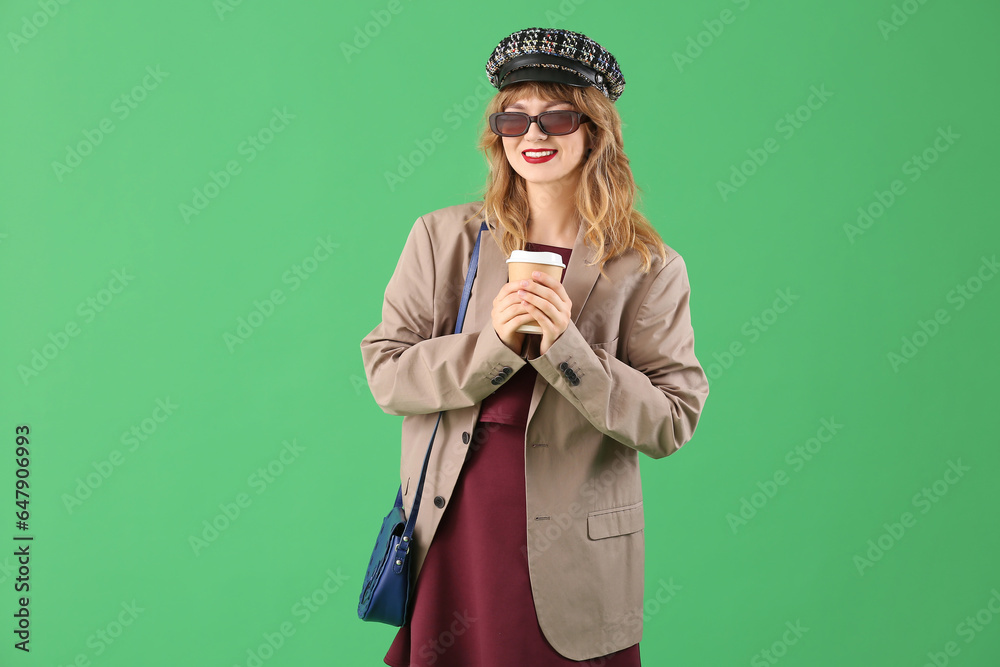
(552,123)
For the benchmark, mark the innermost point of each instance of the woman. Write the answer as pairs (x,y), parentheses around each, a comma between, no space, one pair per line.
(529,543)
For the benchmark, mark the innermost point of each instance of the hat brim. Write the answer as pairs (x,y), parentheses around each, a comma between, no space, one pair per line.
(549,74)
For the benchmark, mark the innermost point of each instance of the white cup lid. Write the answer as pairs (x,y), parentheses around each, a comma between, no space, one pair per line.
(553,258)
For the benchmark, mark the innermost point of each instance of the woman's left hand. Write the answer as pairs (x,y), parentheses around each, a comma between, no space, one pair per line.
(546,300)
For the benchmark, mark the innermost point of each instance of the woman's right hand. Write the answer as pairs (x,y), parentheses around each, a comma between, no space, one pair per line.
(508,314)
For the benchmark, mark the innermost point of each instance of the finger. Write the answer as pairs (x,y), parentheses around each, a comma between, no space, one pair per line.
(507,289)
(552,283)
(517,320)
(550,330)
(511,286)
(513,299)
(543,278)
(512,311)
(546,306)
(515,305)
(505,298)
(548,327)
(546,292)
(538,312)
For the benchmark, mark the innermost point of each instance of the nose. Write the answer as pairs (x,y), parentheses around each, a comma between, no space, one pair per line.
(534,132)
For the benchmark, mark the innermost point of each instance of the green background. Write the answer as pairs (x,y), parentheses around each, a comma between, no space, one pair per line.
(354,116)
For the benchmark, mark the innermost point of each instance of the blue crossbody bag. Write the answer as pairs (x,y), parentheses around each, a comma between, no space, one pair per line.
(385,595)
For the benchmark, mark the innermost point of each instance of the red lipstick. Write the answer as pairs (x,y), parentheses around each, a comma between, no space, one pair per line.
(538,160)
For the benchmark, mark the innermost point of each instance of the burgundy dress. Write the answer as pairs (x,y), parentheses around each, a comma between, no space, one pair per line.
(472,601)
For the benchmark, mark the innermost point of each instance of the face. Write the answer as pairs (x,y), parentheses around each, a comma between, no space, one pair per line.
(564,165)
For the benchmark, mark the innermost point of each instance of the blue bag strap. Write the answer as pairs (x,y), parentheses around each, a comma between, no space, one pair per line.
(411,522)
(469,277)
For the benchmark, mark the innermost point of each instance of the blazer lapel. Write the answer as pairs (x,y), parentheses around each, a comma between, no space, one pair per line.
(579,278)
(491,275)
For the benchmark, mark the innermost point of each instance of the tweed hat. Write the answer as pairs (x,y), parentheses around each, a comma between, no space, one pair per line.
(552,54)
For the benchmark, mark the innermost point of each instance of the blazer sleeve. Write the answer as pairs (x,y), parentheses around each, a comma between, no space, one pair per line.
(652,403)
(410,371)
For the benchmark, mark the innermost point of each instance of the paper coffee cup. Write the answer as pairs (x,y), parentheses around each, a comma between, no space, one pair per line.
(522,263)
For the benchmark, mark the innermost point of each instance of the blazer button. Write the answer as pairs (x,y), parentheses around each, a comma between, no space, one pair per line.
(439,501)
(497,380)
(563,366)
(465,437)
(575,381)
(507,370)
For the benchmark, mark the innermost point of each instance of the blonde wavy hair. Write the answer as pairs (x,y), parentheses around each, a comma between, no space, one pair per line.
(606,196)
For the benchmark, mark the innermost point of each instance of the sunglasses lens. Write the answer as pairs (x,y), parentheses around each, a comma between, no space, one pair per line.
(511,124)
(558,122)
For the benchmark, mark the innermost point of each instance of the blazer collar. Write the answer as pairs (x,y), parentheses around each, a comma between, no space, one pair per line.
(491,275)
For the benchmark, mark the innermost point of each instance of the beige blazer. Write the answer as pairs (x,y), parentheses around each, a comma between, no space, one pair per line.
(622,379)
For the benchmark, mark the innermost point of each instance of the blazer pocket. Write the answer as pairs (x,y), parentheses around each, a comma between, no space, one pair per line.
(611,347)
(615,521)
